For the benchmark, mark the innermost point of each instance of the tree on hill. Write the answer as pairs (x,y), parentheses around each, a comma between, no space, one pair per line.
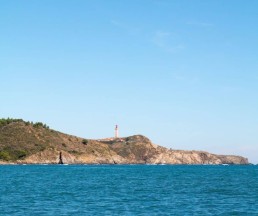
(7,121)
(4,122)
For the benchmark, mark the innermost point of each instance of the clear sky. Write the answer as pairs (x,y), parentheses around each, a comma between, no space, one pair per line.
(183,73)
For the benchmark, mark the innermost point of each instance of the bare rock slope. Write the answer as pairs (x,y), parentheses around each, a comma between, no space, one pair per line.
(23,142)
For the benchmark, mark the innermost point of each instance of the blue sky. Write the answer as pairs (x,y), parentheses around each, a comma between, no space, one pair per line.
(183,73)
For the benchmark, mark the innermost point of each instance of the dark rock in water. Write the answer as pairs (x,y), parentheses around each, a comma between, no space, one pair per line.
(60,158)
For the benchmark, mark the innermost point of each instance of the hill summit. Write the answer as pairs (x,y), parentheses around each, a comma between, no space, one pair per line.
(24,142)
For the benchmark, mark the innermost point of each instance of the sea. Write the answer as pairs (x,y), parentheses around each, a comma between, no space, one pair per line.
(128,190)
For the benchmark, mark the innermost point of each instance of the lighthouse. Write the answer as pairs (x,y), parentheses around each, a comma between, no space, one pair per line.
(116,131)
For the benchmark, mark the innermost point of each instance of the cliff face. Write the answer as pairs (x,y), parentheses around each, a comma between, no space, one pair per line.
(25,143)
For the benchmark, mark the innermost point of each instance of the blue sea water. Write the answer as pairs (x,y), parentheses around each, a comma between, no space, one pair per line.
(128,190)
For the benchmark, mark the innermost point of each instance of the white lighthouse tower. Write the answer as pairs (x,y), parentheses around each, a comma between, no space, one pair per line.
(116,131)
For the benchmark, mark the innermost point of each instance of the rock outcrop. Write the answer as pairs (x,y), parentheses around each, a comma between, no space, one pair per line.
(24,143)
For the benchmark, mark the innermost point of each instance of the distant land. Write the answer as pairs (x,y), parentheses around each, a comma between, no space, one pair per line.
(24,142)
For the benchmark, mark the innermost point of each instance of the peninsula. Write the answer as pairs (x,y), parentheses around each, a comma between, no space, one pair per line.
(24,142)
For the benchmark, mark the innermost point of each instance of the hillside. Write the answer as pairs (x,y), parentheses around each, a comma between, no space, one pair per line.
(34,143)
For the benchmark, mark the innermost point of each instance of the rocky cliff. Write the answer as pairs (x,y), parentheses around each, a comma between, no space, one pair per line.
(24,142)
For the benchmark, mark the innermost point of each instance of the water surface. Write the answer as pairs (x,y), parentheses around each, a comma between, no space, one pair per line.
(128,190)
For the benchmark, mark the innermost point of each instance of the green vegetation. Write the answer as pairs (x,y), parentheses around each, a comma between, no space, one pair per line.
(9,154)
(19,138)
(74,152)
(40,124)
(85,141)
(4,122)
(7,121)
(4,155)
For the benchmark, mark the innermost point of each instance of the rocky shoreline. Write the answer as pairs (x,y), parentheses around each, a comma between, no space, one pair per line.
(23,143)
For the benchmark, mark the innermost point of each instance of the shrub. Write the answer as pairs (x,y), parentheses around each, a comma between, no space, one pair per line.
(8,154)
(40,124)
(4,122)
(20,154)
(7,121)
(4,155)
(85,141)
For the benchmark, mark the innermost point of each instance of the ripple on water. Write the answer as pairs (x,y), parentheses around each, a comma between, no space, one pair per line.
(128,190)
